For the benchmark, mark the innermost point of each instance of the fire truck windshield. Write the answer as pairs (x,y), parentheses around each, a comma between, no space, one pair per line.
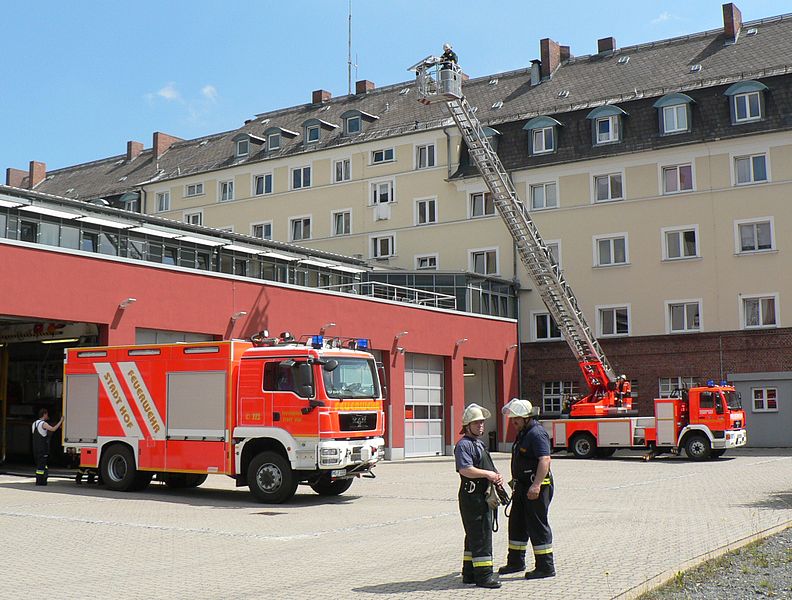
(352,378)
(733,400)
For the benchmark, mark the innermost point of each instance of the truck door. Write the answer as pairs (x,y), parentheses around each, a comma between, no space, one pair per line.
(709,403)
(293,388)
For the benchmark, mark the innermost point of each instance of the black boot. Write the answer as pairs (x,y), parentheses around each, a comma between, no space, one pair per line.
(515,562)
(490,581)
(511,568)
(544,567)
(467,573)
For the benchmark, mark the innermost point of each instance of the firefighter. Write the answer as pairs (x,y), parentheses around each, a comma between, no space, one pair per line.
(449,59)
(476,470)
(42,432)
(623,389)
(533,490)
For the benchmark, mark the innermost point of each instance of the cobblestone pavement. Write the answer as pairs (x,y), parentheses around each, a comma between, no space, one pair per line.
(620,525)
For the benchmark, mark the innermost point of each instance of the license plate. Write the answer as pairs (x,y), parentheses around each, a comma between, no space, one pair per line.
(338,473)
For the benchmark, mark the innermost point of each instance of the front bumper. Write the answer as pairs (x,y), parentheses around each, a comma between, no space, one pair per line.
(352,455)
(733,438)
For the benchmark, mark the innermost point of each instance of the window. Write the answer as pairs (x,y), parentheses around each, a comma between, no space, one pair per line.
(747,107)
(764,399)
(242,147)
(608,187)
(193,218)
(352,125)
(312,134)
(545,327)
(194,189)
(425,156)
(613,320)
(28,231)
(425,211)
(543,195)
(226,191)
(557,393)
(754,236)
(543,140)
(555,250)
(163,201)
(381,156)
(671,385)
(342,170)
(750,169)
(383,246)
(481,205)
(484,262)
(679,243)
(262,184)
(297,378)
(427,262)
(678,178)
(611,251)
(301,178)
(382,192)
(607,129)
(342,222)
(300,228)
(684,316)
(759,312)
(262,230)
(89,241)
(675,118)
(273,142)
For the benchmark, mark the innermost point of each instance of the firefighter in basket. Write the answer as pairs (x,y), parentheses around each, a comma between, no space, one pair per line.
(476,470)
(532,485)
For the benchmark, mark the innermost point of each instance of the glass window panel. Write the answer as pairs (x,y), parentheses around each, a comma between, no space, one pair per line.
(764,240)
(619,250)
(759,168)
(49,234)
(672,243)
(686,177)
(690,242)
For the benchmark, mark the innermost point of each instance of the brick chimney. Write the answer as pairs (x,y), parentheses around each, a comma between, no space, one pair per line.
(15,177)
(133,150)
(551,57)
(732,21)
(163,141)
(37,173)
(364,86)
(565,53)
(320,96)
(607,44)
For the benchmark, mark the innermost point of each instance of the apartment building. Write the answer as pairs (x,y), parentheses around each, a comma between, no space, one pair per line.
(657,174)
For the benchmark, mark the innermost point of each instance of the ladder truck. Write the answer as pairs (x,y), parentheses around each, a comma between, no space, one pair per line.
(591,428)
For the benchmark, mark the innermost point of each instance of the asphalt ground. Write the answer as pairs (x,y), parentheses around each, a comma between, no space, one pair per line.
(621,527)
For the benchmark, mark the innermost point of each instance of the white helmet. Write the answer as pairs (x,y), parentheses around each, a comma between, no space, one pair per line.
(517,407)
(447,46)
(474,412)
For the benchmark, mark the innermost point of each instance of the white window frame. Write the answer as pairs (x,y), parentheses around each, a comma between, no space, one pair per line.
(379,157)
(614,133)
(352,119)
(679,190)
(374,248)
(471,259)
(225,188)
(557,255)
(674,110)
(600,309)
(302,171)
(755,221)
(611,237)
(484,213)
(688,329)
(611,197)
(553,402)
(375,189)
(197,189)
(242,148)
(743,298)
(303,218)
(429,159)
(428,257)
(544,186)
(536,314)
(680,229)
(765,404)
(263,177)
(750,158)
(163,201)
(308,131)
(747,99)
(417,212)
(193,213)
(667,385)
(262,224)
(333,215)
(346,169)
(276,138)
(541,134)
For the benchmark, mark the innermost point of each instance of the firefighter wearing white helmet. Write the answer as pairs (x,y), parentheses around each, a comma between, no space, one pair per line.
(476,470)
(449,59)
(533,492)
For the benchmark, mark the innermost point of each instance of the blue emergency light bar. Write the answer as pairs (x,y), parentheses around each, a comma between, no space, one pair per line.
(362,344)
(317,341)
(710,383)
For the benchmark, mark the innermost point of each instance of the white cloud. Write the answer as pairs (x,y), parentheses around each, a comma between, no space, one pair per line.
(664,17)
(209,92)
(169,92)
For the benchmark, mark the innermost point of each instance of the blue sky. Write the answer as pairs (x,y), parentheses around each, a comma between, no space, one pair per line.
(81,78)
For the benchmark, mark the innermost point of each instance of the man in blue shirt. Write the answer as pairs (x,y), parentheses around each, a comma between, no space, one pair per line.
(476,471)
(533,492)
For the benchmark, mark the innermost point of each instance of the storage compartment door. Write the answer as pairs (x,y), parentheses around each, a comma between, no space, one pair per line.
(82,409)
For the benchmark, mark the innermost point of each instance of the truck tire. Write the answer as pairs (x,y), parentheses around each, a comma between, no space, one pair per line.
(717,453)
(583,445)
(118,470)
(270,478)
(697,447)
(327,487)
(179,481)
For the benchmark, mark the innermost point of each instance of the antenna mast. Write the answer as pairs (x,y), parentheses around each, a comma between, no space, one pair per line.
(349,52)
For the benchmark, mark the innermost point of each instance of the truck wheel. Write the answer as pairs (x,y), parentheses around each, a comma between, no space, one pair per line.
(697,447)
(717,453)
(183,480)
(583,445)
(270,478)
(605,452)
(118,470)
(327,487)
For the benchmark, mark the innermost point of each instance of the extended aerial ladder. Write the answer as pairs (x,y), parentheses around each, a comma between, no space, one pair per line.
(442,82)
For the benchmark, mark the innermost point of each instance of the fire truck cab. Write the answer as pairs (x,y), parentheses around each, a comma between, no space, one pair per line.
(271,414)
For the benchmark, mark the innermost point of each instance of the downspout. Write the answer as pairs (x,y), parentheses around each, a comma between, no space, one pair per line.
(448,151)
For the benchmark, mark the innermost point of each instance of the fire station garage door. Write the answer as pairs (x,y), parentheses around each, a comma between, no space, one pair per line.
(423,399)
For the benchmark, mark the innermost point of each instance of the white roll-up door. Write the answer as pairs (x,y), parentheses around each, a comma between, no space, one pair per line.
(423,400)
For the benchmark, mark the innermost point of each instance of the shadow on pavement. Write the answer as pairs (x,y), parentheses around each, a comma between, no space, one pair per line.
(444,582)
(777,501)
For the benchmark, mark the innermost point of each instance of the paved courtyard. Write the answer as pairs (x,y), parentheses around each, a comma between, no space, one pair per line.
(618,524)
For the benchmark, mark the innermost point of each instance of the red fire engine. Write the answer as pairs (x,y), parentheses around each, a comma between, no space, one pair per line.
(271,413)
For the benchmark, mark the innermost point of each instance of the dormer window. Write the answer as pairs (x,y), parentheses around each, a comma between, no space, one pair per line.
(542,135)
(276,136)
(242,147)
(242,143)
(312,134)
(353,121)
(746,101)
(606,124)
(674,113)
(312,129)
(352,125)
(273,142)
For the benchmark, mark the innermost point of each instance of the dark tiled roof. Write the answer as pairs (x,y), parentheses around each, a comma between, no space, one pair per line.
(653,70)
